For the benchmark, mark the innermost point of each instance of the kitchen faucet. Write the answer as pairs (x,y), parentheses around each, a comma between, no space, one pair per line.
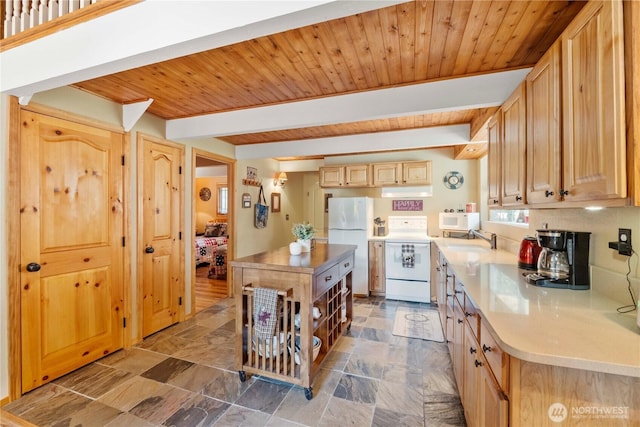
(492,241)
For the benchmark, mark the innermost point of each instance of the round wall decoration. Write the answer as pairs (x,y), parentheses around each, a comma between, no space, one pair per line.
(205,194)
(453,180)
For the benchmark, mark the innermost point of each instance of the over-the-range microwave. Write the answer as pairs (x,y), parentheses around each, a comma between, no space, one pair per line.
(459,221)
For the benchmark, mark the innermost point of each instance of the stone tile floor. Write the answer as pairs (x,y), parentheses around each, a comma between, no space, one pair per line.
(185,376)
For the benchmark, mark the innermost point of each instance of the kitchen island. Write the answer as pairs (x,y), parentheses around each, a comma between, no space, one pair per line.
(319,279)
(525,355)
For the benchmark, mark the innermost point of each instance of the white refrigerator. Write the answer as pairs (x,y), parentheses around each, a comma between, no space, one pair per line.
(351,223)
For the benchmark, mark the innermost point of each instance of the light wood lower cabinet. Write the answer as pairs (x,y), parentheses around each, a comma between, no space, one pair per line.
(498,389)
(485,404)
(376,268)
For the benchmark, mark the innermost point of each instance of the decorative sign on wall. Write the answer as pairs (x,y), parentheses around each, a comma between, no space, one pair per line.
(406,205)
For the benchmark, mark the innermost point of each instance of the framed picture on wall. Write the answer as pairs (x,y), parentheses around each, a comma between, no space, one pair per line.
(275,202)
(246,200)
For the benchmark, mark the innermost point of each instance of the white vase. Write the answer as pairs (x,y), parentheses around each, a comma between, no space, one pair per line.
(295,248)
(305,245)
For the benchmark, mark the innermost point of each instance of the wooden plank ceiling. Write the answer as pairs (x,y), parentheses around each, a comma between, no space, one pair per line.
(411,43)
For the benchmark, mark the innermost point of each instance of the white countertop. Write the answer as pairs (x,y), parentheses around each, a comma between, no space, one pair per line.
(569,328)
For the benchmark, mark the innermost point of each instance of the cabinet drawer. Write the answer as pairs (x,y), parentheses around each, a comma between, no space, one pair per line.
(346,265)
(471,314)
(325,280)
(498,360)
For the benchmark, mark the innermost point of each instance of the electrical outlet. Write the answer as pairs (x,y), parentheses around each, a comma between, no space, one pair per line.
(624,241)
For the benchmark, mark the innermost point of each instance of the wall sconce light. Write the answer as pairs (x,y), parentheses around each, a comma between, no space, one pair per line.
(280,180)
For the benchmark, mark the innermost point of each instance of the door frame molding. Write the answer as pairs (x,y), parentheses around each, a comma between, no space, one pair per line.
(14,231)
(231,170)
(139,300)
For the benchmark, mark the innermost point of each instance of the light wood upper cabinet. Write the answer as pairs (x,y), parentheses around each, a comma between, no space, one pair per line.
(543,129)
(357,176)
(345,176)
(387,174)
(593,108)
(402,173)
(493,160)
(416,173)
(331,176)
(514,148)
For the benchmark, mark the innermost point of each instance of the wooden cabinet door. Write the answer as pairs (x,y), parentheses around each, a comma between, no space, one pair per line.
(594,140)
(544,155)
(458,346)
(472,366)
(514,148)
(493,405)
(71,252)
(331,176)
(376,268)
(161,250)
(386,174)
(494,165)
(357,176)
(416,173)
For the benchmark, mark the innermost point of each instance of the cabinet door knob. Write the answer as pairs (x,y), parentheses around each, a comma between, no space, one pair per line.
(518,198)
(564,192)
(460,320)
(468,314)
(485,348)
(149,250)
(327,278)
(548,193)
(472,350)
(477,363)
(32,267)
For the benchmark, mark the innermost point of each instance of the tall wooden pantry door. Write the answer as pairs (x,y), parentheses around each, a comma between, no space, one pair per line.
(161,251)
(71,257)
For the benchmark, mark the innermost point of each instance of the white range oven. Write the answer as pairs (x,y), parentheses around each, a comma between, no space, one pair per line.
(407,259)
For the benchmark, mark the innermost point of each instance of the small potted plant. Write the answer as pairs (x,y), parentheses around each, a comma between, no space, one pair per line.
(304,233)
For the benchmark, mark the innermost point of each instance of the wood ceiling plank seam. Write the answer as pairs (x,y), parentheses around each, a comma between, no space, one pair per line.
(219,89)
(307,82)
(530,48)
(355,27)
(312,61)
(491,27)
(391,43)
(373,31)
(177,96)
(335,49)
(312,38)
(560,21)
(406,38)
(508,26)
(459,16)
(268,55)
(258,77)
(441,19)
(423,27)
(528,22)
(349,53)
(470,37)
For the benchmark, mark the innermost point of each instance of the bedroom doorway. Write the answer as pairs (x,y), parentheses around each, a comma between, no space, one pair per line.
(212,228)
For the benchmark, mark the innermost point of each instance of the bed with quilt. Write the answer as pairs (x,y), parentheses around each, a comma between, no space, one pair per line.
(213,240)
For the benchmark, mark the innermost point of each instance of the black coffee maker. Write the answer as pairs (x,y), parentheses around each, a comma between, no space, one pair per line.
(564,260)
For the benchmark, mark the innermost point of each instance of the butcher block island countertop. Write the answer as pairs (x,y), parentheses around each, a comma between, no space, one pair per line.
(322,279)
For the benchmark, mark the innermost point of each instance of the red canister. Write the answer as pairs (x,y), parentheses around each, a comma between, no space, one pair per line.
(529,253)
